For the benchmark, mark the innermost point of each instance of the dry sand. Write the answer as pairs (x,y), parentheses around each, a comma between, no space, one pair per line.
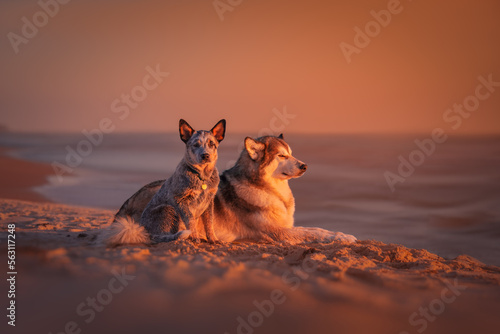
(180,287)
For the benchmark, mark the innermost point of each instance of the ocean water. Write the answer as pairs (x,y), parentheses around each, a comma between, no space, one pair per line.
(449,203)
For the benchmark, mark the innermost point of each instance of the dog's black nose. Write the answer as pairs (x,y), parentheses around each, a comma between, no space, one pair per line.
(205,156)
(303,167)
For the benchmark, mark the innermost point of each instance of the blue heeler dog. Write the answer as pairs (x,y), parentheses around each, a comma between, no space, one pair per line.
(187,197)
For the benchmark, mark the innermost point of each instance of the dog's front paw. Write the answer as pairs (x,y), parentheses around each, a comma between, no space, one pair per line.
(339,236)
(212,239)
(195,237)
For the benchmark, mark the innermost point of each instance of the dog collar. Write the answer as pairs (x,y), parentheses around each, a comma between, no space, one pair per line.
(195,172)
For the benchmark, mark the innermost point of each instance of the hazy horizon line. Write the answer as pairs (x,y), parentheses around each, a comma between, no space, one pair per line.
(250,133)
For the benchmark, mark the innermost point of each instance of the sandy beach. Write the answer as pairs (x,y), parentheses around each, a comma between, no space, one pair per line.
(18,177)
(368,286)
(67,280)
(388,114)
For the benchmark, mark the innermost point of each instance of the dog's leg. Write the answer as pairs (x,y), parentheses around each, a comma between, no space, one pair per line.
(284,235)
(208,222)
(298,235)
(190,223)
(316,234)
(170,223)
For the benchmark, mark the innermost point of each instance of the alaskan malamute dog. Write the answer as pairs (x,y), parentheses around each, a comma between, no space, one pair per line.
(254,200)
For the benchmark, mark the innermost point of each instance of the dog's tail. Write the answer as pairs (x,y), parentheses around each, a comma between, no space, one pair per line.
(166,237)
(124,230)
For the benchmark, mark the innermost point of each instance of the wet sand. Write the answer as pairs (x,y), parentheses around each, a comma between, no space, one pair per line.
(18,177)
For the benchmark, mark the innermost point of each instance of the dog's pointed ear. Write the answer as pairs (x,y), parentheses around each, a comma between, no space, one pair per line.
(254,148)
(185,130)
(219,130)
(281,136)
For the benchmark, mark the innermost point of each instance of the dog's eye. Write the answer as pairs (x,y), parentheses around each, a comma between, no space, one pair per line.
(211,144)
(282,156)
(196,144)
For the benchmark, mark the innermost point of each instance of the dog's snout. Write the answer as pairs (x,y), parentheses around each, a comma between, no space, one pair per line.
(303,167)
(205,156)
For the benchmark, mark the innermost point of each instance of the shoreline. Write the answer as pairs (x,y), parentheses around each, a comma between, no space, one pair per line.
(18,178)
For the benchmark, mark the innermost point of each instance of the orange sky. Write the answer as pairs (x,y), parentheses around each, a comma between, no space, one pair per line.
(264,55)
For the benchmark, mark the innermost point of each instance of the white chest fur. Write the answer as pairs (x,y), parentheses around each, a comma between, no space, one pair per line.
(275,201)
